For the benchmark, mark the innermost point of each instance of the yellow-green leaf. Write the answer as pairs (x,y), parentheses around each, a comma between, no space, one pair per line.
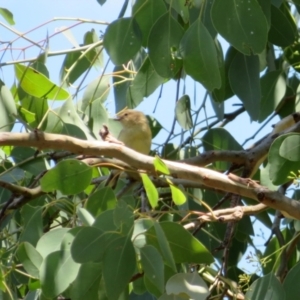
(151,190)
(178,196)
(38,85)
(160,166)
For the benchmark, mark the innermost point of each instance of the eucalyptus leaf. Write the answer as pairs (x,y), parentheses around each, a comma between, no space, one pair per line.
(122,40)
(38,85)
(143,85)
(8,110)
(98,89)
(30,258)
(273,88)
(146,14)
(290,148)
(163,45)
(200,59)
(69,176)
(242,23)
(281,167)
(190,284)
(183,112)
(57,272)
(267,287)
(118,266)
(88,245)
(244,81)
(151,190)
(178,196)
(160,166)
(153,266)
(283,31)
(7,15)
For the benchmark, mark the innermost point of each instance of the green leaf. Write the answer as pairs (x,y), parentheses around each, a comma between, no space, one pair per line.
(160,166)
(123,217)
(183,112)
(36,107)
(120,86)
(181,7)
(97,116)
(280,167)
(155,126)
(242,23)
(88,245)
(33,224)
(86,284)
(225,92)
(140,227)
(57,272)
(81,66)
(205,11)
(163,45)
(153,266)
(118,266)
(292,55)
(69,176)
(218,95)
(7,15)
(244,81)
(290,148)
(143,85)
(65,119)
(102,200)
(51,241)
(30,258)
(68,238)
(267,287)
(8,110)
(189,284)
(220,139)
(273,87)
(291,283)
(95,55)
(85,217)
(146,14)
(122,40)
(184,246)
(151,191)
(156,237)
(178,196)
(105,221)
(200,57)
(33,166)
(38,85)
(98,89)
(283,31)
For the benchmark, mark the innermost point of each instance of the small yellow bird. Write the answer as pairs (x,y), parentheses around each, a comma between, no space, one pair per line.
(135,134)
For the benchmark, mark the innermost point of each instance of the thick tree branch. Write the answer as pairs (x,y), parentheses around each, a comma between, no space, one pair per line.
(251,158)
(207,177)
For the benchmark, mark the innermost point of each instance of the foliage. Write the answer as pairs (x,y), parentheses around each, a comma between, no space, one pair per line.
(67,235)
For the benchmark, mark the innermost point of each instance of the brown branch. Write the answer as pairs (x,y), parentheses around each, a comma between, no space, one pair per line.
(207,177)
(251,158)
(226,215)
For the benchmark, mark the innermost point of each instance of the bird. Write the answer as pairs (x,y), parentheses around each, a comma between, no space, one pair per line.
(135,134)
